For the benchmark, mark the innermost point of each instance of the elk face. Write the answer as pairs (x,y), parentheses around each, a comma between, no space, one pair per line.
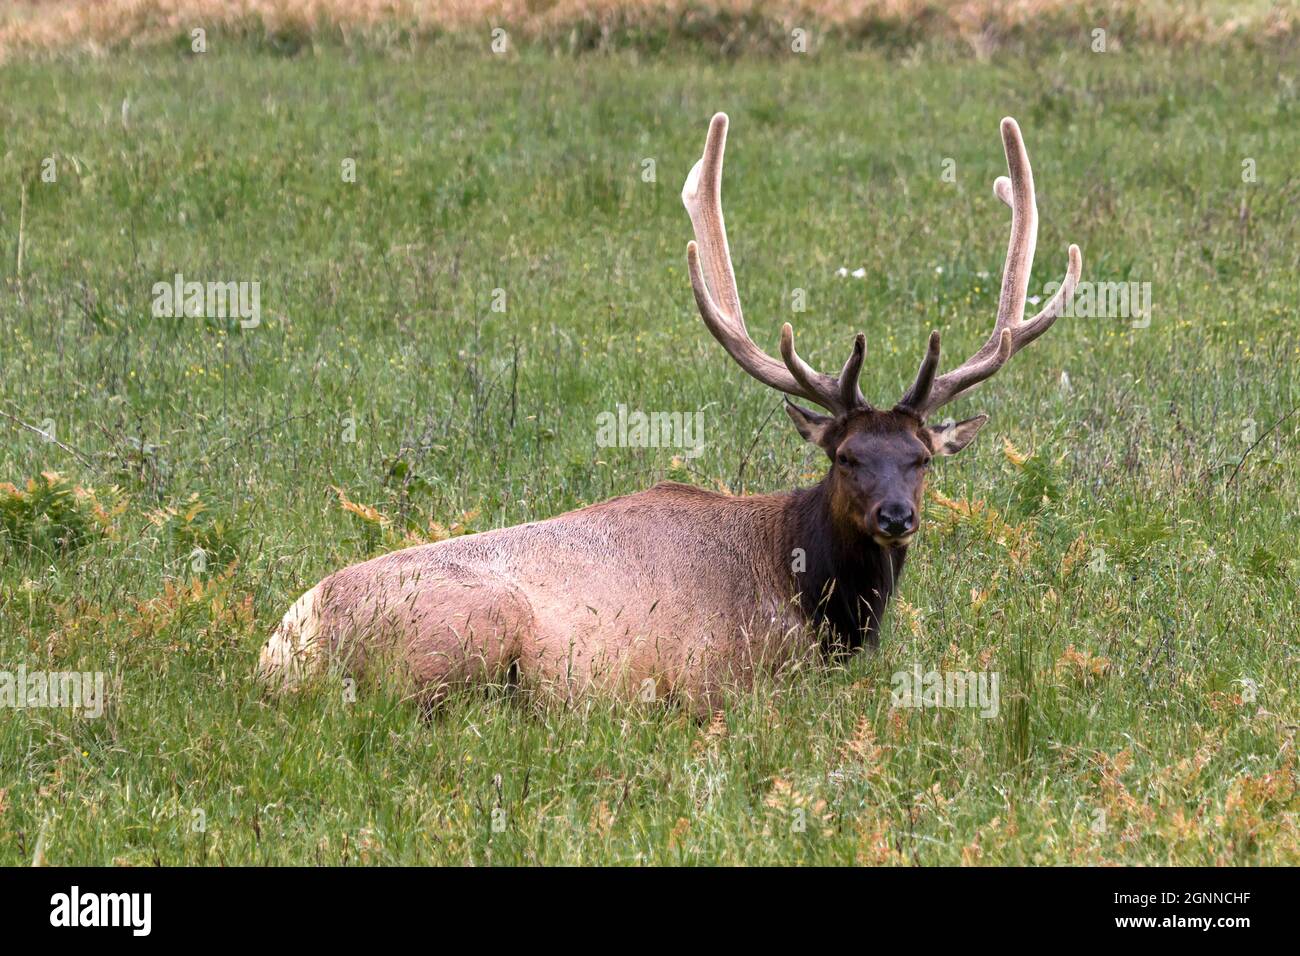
(878,466)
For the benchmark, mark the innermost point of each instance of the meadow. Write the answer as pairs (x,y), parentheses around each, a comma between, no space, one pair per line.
(464,259)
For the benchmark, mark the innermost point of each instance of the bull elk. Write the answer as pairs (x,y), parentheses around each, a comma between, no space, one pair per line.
(678,590)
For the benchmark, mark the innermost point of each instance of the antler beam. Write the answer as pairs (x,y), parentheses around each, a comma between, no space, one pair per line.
(1011,331)
(713,280)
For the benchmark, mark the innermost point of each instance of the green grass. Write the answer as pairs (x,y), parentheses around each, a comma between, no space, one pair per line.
(1123,735)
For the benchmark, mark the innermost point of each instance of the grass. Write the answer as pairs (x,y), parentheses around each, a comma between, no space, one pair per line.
(1122,554)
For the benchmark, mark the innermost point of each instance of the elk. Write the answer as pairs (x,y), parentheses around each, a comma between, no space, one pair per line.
(677,590)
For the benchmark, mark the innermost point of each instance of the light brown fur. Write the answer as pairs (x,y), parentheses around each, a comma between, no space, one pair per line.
(675,585)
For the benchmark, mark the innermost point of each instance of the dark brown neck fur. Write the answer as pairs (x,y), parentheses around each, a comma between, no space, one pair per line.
(847,578)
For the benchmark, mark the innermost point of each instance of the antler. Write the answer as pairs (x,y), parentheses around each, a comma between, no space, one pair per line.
(720,309)
(1011,331)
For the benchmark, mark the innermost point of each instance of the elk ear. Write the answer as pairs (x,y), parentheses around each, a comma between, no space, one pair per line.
(951,437)
(812,427)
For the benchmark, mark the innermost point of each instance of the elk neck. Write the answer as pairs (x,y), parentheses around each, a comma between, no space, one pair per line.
(847,578)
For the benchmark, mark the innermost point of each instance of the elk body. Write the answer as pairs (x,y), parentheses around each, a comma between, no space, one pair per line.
(676,589)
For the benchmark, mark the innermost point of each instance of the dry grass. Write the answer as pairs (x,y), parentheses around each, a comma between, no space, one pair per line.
(978,26)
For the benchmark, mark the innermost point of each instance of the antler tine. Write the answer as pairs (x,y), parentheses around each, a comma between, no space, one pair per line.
(838,394)
(1050,312)
(915,397)
(1011,331)
(702,196)
(708,260)
(850,393)
(1024,226)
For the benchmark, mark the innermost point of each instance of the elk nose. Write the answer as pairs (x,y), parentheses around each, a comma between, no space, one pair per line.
(896,519)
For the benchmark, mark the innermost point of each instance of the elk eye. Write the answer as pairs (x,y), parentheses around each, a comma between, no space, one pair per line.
(923,463)
(843,459)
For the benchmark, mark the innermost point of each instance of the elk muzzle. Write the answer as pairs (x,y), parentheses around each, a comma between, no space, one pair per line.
(895,523)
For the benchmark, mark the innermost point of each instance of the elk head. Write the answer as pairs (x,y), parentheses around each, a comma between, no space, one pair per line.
(878,456)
